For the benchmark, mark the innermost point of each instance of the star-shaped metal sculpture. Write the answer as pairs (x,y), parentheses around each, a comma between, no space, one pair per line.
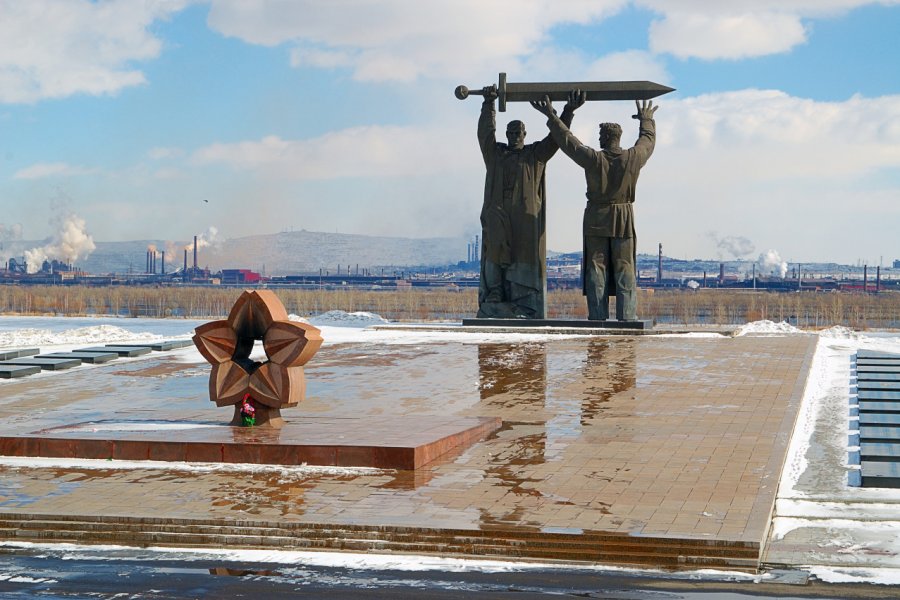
(273,384)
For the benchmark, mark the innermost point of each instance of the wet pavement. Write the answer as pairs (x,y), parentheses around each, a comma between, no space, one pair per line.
(655,437)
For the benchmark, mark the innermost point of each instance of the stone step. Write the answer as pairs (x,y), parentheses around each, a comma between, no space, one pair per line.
(878,386)
(876,354)
(874,406)
(667,557)
(47,364)
(877,376)
(880,474)
(126,351)
(879,452)
(15,371)
(877,369)
(9,354)
(878,395)
(87,357)
(879,434)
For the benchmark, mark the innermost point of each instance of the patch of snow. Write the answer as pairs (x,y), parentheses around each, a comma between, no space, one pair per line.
(135,426)
(872,575)
(94,334)
(297,318)
(349,560)
(767,327)
(340,318)
(90,463)
(839,332)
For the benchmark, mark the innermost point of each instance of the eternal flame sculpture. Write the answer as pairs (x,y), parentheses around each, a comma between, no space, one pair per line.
(273,384)
(513,255)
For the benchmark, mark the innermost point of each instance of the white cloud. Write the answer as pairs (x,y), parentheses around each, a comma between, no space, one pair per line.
(57,48)
(738,28)
(726,36)
(59,169)
(161,153)
(398,40)
(373,151)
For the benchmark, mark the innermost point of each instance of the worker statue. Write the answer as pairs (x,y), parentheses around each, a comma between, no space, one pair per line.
(610,250)
(513,257)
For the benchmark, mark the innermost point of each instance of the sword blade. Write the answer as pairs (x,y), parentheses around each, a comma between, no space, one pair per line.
(595,90)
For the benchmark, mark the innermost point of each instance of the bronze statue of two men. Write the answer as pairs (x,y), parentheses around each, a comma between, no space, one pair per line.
(513,270)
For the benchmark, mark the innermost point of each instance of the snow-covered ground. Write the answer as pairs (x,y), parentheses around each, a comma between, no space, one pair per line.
(854,532)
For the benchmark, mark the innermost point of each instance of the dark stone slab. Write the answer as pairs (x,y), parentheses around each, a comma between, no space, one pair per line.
(14,371)
(860,369)
(637,325)
(876,354)
(880,474)
(872,406)
(878,395)
(877,377)
(48,364)
(887,386)
(879,435)
(10,354)
(879,452)
(879,420)
(876,362)
(88,357)
(157,346)
(127,351)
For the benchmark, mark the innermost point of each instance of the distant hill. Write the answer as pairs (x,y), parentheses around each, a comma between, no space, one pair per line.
(284,253)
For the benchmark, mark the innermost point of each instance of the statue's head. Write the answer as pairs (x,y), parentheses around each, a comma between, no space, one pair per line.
(515,134)
(610,135)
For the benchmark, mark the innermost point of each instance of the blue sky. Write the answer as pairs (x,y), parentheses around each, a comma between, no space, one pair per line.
(783,134)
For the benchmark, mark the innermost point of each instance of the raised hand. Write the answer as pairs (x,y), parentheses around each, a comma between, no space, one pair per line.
(545,106)
(645,109)
(577,98)
(490,92)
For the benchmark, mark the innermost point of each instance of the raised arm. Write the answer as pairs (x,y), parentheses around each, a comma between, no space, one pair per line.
(583,155)
(547,147)
(487,123)
(646,141)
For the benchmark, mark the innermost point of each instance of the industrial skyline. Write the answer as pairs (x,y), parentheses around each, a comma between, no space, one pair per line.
(123,121)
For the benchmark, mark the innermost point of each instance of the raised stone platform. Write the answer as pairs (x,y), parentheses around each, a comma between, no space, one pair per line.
(395,442)
(630,326)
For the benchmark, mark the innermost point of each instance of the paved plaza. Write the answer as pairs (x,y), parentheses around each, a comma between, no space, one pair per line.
(651,450)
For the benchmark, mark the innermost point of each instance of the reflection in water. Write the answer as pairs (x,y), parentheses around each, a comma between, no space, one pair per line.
(514,377)
(609,369)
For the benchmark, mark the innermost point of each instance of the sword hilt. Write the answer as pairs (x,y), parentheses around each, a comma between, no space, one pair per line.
(462,92)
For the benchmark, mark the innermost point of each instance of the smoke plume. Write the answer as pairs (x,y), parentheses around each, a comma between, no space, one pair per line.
(209,237)
(10,236)
(736,246)
(70,243)
(770,262)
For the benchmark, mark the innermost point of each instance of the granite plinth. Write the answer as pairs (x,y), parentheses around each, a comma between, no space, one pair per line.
(879,434)
(87,357)
(880,452)
(9,354)
(157,346)
(880,474)
(877,369)
(47,364)
(876,355)
(127,351)
(879,420)
(880,407)
(878,395)
(395,442)
(14,371)
(878,376)
(638,325)
(886,386)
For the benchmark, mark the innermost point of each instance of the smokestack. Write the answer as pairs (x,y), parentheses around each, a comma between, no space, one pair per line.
(721,273)
(162,263)
(185,263)
(659,266)
(704,278)
(866,278)
(754,276)
(195,253)
(147,257)
(799,276)
(878,279)
(477,249)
